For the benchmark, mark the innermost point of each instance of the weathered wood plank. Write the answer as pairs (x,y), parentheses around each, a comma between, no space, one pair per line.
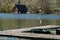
(19,32)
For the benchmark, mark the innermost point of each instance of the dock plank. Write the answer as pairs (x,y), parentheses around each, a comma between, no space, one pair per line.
(19,32)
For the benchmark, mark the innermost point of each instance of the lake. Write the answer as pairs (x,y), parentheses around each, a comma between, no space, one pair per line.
(12,38)
(30,16)
(16,21)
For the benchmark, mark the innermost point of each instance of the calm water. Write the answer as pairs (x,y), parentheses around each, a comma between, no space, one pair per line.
(15,21)
(12,38)
(30,16)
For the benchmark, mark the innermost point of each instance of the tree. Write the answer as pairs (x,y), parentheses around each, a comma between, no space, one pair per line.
(44,4)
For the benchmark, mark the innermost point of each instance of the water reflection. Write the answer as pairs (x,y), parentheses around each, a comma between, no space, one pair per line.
(11,38)
(17,23)
(21,23)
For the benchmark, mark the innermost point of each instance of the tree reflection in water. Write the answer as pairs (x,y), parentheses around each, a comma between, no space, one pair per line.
(12,38)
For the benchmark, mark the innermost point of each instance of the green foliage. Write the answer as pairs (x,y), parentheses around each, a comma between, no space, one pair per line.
(6,6)
(47,6)
(6,9)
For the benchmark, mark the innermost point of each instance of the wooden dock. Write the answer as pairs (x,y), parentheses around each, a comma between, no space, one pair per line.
(20,33)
